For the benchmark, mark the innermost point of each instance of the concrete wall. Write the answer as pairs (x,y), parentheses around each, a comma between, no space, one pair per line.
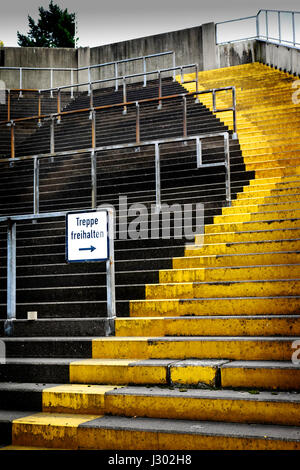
(192,45)
(237,53)
(282,57)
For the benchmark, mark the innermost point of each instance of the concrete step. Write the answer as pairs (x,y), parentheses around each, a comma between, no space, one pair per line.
(76,431)
(154,402)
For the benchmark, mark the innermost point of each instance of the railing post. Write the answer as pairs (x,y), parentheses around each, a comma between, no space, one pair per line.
(234,135)
(93,120)
(36,185)
(145,70)
(184,116)
(58,106)
(174,65)
(110,274)
(198,152)
(279,27)
(8,105)
(89,80)
(214,100)
(72,83)
(294,31)
(91,97)
(267,26)
(159,89)
(51,83)
(157,179)
(21,82)
(124,95)
(39,107)
(94,179)
(12,139)
(227,169)
(197,83)
(181,75)
(137,125)
(116,75)
(11,277)
(52,137)
(257,25)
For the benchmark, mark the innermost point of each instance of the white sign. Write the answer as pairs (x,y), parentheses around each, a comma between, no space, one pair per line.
(87,236)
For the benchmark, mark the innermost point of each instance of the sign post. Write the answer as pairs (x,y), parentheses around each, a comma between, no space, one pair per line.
(90,237)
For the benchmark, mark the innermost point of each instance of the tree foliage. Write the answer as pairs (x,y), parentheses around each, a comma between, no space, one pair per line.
(54,28)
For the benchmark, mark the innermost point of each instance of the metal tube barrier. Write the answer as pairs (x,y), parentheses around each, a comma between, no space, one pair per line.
(280,39)
(11,266)
(93,153)
(125,104)
(89,67)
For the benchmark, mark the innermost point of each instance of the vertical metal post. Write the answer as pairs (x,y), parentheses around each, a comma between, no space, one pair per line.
(181,75)
(21,82)
(184,116)
(279,26)
(58,105)
(52,137)
(94,179)
(93,120)
(12,139)
(214,100)
(197,83)
(159,89)
(116,75)
(227,169)
(89,80)
(110,274)
(157,178)
(174,65)
(11,274)
(234,135)
(8,105)
(145,70)
(91,97)
(137,124)
(294,31)
(124,95)
(198,152)
(72,83)
(36,185)
(51,83)
(267,25)
(257,25)
(39,108)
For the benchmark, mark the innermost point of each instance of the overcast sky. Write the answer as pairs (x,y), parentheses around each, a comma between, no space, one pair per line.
(105,22)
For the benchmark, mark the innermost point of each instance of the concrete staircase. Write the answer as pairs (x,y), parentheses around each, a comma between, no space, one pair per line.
(207,357)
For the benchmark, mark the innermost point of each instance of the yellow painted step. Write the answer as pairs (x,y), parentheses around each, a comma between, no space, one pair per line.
(257,216)
(118,371)
(280,325)
(146,371)
(123,433)
(76,398)
(243,247)
(258,235)
(206,405)
(264,206)
(261,375)
(288,305)
(239,348)
(230,273)
(267,198)
(54,430)
(236,260)
(192,290)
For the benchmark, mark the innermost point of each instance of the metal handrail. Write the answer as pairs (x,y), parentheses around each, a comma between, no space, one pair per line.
(266,37)
(90,67)
(156,143)
(105,80)
(93,110)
